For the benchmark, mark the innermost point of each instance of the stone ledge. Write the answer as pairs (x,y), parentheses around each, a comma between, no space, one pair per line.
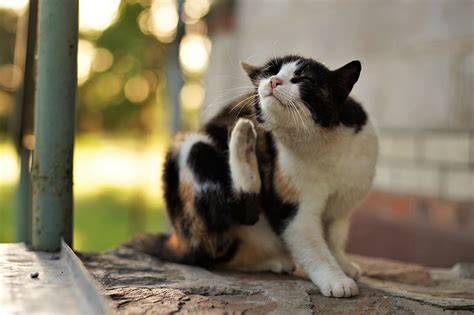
(139,284)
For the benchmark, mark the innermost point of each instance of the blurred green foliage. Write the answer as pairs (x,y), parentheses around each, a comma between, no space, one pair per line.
(107,217)
(101,221)
(102,103)
(6,213)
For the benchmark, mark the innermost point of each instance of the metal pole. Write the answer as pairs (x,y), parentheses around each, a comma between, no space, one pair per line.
(21,123)
(23,199)
(54,123)
(175,76)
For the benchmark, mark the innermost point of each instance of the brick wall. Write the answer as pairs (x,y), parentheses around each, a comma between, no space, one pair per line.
(430,231)
(427,163)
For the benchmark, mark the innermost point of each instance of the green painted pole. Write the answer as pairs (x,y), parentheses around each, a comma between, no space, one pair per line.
(22,123)
(23,199)
(54,123)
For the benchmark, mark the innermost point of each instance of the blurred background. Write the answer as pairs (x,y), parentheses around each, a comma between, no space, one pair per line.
(147,68)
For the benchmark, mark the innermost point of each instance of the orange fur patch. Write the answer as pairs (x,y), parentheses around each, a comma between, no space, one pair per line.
(201,236)
(186,192)
(176,243)
(285,189)
(247,256)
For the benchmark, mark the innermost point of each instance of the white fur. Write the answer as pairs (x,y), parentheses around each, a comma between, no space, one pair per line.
(261,236)
(282,112)
(243,166)
(187,145)
(333,171)
(332,177)
(185,173)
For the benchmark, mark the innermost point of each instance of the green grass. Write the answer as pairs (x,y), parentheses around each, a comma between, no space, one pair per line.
(6,213)
(101,221)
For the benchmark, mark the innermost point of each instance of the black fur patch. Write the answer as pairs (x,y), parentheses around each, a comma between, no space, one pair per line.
(171,186)
(208,164)
(200,257)
(246,207)
(213,207)
(258,111)
(277,212)
(353,115)
(219,135)
(210,169)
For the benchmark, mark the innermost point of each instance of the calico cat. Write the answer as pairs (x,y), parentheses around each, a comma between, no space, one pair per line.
(272,178)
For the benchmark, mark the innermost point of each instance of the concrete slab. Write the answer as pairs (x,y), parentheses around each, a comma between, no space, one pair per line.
(45,283)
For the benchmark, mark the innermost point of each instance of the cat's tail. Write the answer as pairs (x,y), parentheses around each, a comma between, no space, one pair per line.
(167,247)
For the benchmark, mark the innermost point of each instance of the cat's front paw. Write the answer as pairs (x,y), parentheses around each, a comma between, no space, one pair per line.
(339,287)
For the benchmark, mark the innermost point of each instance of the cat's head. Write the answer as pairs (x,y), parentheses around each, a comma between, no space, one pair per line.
(301,93)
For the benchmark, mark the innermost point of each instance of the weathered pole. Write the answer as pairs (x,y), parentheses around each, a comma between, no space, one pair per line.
(54,123)
(21,123)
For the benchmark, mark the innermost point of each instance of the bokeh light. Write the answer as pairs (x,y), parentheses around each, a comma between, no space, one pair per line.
(194,53)
(85,56)
(103,60)
(195,9)
(10,77)
(96,15)
(16,6)
(192,95)
(137,89)
(164,20)
(6,102)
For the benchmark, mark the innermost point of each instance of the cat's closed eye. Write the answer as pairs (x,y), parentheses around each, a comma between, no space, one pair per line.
(301,79)
(271,70)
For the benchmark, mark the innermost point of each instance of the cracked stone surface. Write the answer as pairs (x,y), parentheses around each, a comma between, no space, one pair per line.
(136,283)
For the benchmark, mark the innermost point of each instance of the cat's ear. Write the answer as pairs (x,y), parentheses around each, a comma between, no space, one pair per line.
(252,71)
(344,78)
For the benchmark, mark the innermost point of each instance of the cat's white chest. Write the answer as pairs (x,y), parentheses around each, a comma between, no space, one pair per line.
(309,176)
(318,171)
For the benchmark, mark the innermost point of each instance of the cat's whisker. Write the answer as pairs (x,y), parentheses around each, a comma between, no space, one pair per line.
(291,110)
(241,102)
(220,102)
(228,95)
(297,113)
(224,96)
(300,113)
(252,104)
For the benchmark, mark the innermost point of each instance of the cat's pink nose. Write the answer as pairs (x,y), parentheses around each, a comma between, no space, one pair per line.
(275,81)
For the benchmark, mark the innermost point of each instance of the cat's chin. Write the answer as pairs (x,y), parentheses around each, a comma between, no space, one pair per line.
(271,99)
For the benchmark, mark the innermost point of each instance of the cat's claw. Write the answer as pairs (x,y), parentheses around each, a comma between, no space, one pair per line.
(342,287)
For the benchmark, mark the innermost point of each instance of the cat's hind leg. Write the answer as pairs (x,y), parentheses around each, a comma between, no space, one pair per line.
(242,157)
(246,182)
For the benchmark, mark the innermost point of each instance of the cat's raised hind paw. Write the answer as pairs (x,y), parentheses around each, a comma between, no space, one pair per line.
(243,159)
(243,138)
